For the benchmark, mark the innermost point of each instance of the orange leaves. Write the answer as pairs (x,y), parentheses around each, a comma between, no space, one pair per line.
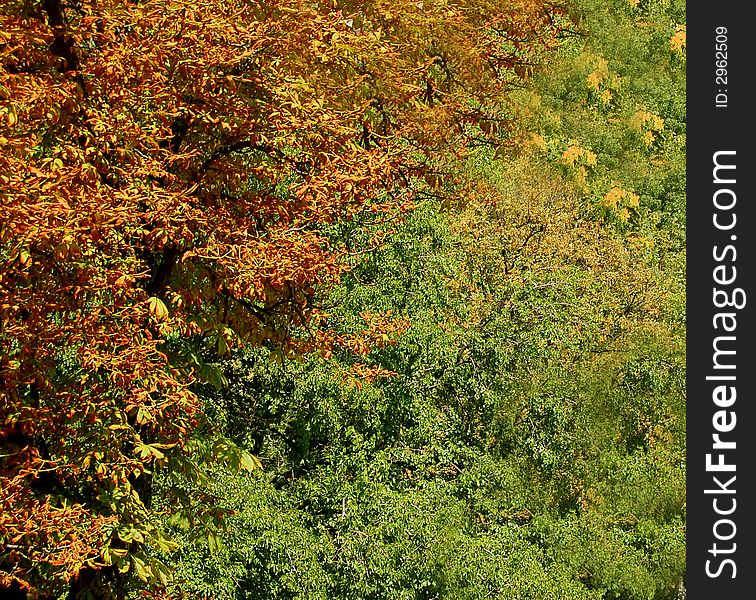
(59,539)
(381,329)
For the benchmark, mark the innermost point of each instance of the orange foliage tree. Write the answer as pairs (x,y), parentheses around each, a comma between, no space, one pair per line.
(171,173)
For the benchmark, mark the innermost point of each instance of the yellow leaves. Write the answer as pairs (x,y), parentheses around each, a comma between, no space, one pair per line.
(612,197)
(644,120)
(602,84)
(537,141)
(130,534)
(594,81)
(575,156)
(678,41)
(538,228)
(157,308)
(148,452)
(640,244)
(571,155)
(10,115)
(143,415)
(316,45)
(24,258)
(123,280)
(250,462)
(580,162)
(649,125)
(236,458)
(619,201)
(599,74)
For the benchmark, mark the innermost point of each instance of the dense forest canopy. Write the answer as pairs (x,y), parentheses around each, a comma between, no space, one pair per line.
(342,299)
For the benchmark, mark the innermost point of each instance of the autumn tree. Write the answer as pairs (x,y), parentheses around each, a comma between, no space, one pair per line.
(170,174)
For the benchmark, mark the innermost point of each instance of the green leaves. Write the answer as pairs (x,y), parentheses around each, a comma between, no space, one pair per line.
(235,458)
(497,450)
(214,543)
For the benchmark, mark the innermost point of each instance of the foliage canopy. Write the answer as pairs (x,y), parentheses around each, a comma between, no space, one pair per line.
(181,179)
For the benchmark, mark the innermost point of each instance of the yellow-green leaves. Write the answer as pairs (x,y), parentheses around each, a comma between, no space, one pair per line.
(157,308)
